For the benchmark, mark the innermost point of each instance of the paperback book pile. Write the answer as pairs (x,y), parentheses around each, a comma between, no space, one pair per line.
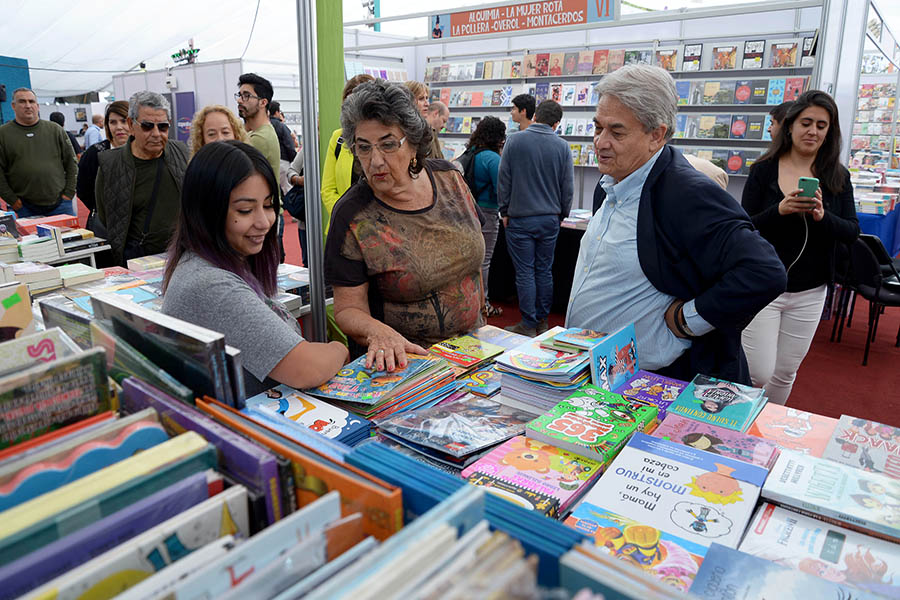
(294,407)
(652,389)
(593,423)
(40,249)
(466,351)
(719,402)
(76,240)
(372,395)
(456,432)
(718,440)
(536,475)
(78,273)
(574,340)
(535,378)
(39,277)
(147,263)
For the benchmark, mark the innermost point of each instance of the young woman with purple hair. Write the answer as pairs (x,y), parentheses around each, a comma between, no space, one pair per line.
(222,266)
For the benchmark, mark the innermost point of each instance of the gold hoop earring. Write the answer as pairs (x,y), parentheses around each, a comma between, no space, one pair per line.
(413,163)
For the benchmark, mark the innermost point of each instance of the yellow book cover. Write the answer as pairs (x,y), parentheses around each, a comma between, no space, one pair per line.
(51,503)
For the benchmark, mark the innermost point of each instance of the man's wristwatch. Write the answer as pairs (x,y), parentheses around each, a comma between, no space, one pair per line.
(681,323)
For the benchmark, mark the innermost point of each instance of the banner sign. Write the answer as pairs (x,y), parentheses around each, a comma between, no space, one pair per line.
(521,17)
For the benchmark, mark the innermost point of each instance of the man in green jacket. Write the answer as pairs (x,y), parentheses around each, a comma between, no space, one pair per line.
(37,162)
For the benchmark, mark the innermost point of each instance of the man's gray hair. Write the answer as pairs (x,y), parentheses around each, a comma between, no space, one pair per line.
(148,100)
(648,92)
(23,89)
(389,104)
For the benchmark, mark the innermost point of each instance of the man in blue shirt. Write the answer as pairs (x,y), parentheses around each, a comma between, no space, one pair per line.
(534,196)
(668,249)
(94,133)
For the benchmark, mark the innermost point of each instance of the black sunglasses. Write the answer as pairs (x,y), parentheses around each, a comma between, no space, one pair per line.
(148,126)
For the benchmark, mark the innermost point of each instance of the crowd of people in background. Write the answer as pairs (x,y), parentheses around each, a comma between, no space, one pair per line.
(728,288)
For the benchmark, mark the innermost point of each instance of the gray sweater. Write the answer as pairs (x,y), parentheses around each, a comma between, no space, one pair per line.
(536,174)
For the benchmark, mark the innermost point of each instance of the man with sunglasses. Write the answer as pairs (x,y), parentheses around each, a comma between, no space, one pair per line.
(139,184)
(37,162)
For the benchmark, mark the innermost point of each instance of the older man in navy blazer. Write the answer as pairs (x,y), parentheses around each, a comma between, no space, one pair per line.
(667,249)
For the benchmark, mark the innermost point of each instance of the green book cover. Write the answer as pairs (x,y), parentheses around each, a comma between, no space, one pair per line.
(719,402)
(592,422)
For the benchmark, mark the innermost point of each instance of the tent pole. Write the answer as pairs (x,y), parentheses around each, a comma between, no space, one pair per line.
(306,43)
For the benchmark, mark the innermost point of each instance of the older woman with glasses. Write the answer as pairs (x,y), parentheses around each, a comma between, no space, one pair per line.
(405,248)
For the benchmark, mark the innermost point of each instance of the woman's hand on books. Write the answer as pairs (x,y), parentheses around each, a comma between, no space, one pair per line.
(387,349)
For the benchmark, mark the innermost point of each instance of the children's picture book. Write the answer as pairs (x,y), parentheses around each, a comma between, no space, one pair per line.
(574,339)
(667,557)
(592,422)
(638,57)
(867,502)
(614,360)
(783,55)
(753,54)
(759,91)
(652,389)
(717,440)
(484,382)
(696,495)
(355,383)
(601,62)
(742,92)
(691,57)
(531,360)
(667,59)
(465,350)
(724,57)
(719,402)
(792,429)
(739,126)
(520,467)
(729,573)
(793,87)
(315,414)
(683,89)
(864,444)
(460,427)
(817,548)
(585,62)
(616,59)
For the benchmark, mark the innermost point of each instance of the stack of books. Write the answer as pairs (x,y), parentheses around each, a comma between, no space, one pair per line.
(78,273)
(41,249)
(147,263)
(76,240)
(29,226)
(39,277)
(719,402)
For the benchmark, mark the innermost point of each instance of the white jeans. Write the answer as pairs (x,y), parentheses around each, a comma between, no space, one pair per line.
(778,338)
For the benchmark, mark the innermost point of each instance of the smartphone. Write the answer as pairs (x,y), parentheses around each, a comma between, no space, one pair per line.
(809,185)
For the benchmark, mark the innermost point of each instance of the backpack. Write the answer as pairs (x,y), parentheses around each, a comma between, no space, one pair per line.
(467,162)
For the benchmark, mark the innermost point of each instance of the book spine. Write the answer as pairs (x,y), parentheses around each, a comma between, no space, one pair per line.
(288,486)
(221,381)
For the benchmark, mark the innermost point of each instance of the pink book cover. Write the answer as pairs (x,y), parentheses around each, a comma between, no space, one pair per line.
(717,440)
(792,429)
(539,467)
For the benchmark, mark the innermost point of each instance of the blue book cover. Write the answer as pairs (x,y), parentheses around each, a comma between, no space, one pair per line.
(313,413)
(766,134)
(483,382)
(680,125)
(719,402)
(683,89)
(356,383)
(614,360)
(776,91)
(727,573)
(743,92)
(697,495)
(541,91)
(652,389)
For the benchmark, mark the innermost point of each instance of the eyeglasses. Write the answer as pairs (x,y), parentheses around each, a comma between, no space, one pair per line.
(364,149)
(148,126)
(244,96)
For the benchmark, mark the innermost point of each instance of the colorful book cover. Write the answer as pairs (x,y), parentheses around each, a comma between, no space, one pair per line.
(792,429)
(767,129)
(680,125)
(742,92)
(515,71)
(793,87)
(355,383)
(738,129)
(484,382)
(568,94)
(729,573)
(705,126)
(759,91)
(490,334)
(35,348)
(495,98)
(541,91)
(667,557)
(638,57)
(592,422)
(532,360)
(569,62)
(691,57)
(601,62)
(783,55)
(445,95)
(753,54)
(582,96)
(536,467)
(755,127)
(615,59)
(458,428)
(719,402)
(710,90)
(556,92)
(868,502)
(652,389)
(864,444)
(667,59)
(574,339)
(724,57)
(717,440)
(585,62)
(683,89)
(542,64)
(506,97)
(725,93)
(818,548)
(465,350)
(614,360)
(318,415)
(735,162)
(699,496)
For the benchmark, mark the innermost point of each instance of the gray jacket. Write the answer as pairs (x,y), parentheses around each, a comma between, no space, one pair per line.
(118,171)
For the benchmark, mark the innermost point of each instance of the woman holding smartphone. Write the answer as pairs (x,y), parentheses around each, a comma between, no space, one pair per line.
(800,198)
